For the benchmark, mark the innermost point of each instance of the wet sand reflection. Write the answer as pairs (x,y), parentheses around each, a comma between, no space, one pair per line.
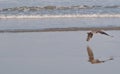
(92,60)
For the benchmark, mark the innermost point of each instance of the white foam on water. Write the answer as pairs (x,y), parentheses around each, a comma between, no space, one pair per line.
(59,16)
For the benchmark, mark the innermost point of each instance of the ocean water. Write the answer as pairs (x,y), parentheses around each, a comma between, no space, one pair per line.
(56,24)
(45,14)
(64,7)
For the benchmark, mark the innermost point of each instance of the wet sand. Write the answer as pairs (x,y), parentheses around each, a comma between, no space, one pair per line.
(58,29)
(58,53)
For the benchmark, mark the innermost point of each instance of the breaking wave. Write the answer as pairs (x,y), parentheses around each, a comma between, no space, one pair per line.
(25,8)
(60,11)
(60,16)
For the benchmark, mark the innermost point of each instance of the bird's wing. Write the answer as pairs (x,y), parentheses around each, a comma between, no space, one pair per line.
(89,36)
(90,53)
(102,32)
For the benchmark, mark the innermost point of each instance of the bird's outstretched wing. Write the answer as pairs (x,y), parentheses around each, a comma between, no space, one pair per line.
(90,35)
(102,32)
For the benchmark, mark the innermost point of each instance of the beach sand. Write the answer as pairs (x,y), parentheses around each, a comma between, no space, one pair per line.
(60,52)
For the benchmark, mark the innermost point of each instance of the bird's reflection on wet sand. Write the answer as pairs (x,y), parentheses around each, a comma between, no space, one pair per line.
(92,60)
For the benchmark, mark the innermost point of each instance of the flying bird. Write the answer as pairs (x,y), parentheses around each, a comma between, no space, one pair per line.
(90,34)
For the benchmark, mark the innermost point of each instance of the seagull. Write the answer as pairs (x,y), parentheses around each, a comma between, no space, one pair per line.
(90,34)
(91,57)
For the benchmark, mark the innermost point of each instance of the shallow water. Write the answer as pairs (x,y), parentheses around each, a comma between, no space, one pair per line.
(46,23)
(58,52)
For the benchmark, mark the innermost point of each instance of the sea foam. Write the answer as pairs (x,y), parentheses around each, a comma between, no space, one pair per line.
(60,16)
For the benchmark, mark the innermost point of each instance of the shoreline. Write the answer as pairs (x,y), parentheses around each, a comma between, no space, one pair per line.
(58,29)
